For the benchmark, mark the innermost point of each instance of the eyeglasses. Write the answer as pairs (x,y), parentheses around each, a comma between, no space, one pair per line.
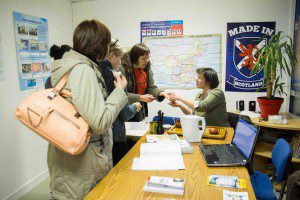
(114,42)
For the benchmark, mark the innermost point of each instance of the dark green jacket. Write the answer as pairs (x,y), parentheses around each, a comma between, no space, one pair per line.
(213,108)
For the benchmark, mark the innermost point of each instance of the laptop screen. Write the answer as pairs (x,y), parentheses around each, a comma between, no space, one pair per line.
(244,137)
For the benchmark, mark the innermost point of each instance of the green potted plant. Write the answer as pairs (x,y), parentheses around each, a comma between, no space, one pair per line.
(277,55)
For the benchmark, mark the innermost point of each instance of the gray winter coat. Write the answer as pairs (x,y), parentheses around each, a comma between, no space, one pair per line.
(72,177)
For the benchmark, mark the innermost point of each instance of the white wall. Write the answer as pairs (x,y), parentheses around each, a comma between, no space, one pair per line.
(22,153)
(199,17)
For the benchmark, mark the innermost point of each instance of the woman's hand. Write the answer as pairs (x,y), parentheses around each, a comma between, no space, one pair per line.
(147,98)
(138,106)
(174,97)
(174,104)
(167,95)
(120,80)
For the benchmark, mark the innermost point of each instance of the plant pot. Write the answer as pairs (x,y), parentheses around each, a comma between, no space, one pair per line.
(269,106)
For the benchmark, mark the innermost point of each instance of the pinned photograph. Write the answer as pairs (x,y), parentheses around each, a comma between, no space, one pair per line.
(34,45)
(26,68)
(36,67)
(22,29)
(23,44)
(45,67)
(31,82)
(33,30)
(43,46)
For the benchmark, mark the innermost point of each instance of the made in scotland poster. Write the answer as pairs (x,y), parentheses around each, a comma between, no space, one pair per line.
(243,48)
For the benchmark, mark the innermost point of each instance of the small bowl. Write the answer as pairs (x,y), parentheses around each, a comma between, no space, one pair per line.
(167,126)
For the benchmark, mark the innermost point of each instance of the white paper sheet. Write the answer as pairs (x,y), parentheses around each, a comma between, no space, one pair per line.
(229,195)
(159,156)
(158,163)
(137,129)
(160,149)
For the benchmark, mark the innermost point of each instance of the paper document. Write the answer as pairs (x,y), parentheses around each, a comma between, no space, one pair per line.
(162,138)
(165,185)
(159,156)
(226,181)
(158,163)
(136,128)
(186,147)
(160,149)
(228,195)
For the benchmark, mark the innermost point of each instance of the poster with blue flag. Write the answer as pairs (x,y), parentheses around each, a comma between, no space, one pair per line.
(243,48)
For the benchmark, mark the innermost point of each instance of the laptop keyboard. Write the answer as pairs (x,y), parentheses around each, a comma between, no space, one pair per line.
(226,155)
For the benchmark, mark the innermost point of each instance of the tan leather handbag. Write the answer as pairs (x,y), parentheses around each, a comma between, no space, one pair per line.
(52,117)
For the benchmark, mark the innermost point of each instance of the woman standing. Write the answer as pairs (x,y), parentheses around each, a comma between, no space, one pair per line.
(107,67)
(210,103)
(141,88)
(72,177)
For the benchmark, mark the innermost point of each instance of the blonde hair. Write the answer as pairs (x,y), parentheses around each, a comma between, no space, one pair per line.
(116,48)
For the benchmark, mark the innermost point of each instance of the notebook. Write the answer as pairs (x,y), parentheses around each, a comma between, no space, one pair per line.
(239,152)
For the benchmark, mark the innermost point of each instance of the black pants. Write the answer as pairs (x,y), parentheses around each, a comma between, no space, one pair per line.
(119,151)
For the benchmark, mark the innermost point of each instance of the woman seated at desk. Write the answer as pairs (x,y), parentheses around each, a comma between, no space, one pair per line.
(210,103)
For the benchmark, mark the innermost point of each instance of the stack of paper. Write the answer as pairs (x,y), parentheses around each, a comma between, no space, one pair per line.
(162,138)
(186,147)
(137,129)
(159,156)
(165,185)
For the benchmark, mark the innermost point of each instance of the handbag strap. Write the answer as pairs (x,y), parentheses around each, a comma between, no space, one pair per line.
(58,88)
(64,79)
(66,94)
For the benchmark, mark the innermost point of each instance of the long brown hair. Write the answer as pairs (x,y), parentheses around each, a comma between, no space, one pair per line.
(91,38)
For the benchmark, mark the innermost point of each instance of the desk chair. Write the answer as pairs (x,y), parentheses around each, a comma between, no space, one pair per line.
(167,119)
(261,183)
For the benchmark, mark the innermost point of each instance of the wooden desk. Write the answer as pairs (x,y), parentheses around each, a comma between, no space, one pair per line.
(293,123)
(123,183)
(264,149)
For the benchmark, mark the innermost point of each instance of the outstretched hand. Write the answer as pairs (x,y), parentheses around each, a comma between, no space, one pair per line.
(174,97)
(147,98)
(174,104)
(166,95)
